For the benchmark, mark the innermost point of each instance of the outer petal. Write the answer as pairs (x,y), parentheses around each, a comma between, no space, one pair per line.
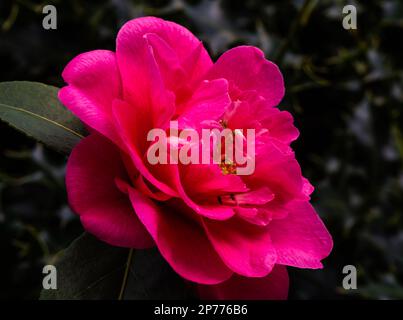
(203,180)
(139,36)
(280,125)
(278,171)
(247,69)
(167,60)
(245,248)
(133,125)
(94,82)
(104,210)
(272,287)
(301,239)
(181,241)
(163,176)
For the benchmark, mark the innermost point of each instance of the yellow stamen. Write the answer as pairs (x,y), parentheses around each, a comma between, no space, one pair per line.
(228,168)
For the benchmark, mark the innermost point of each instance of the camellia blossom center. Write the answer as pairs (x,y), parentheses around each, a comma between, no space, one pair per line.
(232,150)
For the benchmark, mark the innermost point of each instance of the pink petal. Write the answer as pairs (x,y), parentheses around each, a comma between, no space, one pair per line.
(257,197)
(280,125)
(212,210)
(140,185)
(254,109)
(307,189)
(133,125)
(263,216)
(242,116)
(165,177)
(245,248)
(104,210)
(247,68)
(93,83)
(277,170)
(164,41)
(172,175)
(301,239)
(181,241)
(201,180)
(272,287)
(208,102)
(167,60)
(143,81)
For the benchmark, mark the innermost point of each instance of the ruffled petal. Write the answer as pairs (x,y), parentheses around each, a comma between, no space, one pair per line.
(181,241)
(93,83)
(278,171)
(203,180)
(133,126)
(209,102)
(150,52)
(301,239)
(247,69)
(280,125)
(245,248)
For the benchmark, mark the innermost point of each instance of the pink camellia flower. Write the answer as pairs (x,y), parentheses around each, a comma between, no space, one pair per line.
(232,235)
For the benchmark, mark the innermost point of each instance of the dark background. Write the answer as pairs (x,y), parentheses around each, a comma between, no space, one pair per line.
(344,89)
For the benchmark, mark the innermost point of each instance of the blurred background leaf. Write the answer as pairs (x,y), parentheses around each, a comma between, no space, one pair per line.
(91,270)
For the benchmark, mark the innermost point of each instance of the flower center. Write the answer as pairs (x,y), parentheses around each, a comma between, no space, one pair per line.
(228,168)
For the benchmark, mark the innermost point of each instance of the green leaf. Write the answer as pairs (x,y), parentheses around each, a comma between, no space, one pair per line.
(89,269)
(34,109)
(151,277)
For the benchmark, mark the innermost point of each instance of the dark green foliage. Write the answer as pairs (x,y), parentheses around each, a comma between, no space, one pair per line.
(89,269)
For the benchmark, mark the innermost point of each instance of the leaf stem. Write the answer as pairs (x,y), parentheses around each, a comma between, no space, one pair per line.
(124,282)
